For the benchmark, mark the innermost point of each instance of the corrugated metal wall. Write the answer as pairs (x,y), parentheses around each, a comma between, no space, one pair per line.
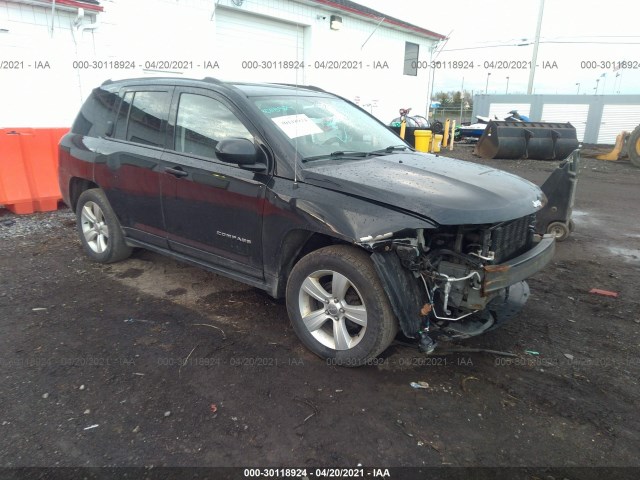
(616,118)
(597,118)
(502,109)
(559,112)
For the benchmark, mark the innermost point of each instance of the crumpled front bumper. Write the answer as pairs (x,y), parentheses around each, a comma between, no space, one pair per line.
(497,277)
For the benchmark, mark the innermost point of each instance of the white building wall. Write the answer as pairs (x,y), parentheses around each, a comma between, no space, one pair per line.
(31,96)
(142,31)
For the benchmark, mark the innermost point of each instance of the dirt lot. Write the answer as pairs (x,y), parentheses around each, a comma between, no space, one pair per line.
(150,362)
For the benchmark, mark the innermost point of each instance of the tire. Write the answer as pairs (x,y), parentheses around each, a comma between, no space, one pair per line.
(100,232)
(560,230)
(357,327)
(634,146)
(572,225)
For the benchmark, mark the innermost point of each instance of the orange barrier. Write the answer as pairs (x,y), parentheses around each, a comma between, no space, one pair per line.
(29,169)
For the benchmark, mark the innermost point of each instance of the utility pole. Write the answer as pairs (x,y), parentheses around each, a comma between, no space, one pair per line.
(534,58)
(486,87)
(506,90)
(620,82)
(430,80)
(578,92)
(53,16)
(461,99)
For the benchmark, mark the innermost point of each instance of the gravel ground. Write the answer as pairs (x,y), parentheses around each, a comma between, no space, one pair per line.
(37,224)
(92,357)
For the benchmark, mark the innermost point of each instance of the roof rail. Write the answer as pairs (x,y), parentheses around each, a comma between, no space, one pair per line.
(308,87)
(212,80)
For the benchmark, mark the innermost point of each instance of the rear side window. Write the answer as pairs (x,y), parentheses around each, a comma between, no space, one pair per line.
(123,115)
(95,113)
(202,122)
(142,118)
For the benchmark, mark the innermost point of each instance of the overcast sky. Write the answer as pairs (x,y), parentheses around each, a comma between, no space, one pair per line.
(600,31)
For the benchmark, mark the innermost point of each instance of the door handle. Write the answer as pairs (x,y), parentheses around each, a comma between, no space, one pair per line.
(177,171)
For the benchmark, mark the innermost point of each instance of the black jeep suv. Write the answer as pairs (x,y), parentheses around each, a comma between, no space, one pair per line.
(303,194)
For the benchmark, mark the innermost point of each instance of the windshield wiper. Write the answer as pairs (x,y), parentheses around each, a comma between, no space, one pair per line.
(357,154)
(389,149)
(339,154)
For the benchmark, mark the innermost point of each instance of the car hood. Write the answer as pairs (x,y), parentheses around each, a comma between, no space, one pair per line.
(445,190)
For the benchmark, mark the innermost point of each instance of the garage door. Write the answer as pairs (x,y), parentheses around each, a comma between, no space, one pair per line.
(262,43)
(576,114)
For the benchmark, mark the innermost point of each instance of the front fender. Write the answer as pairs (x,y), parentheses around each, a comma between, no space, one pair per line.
(352,218)
(295,211)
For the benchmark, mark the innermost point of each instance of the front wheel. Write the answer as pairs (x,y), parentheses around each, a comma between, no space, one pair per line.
(338,307)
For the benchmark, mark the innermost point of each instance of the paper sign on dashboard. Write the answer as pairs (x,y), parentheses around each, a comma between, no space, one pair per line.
(296,125)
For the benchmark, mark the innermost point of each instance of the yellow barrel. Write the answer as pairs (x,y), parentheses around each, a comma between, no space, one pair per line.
(437,142)
(423,140)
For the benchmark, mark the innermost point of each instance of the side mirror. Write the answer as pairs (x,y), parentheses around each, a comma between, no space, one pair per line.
(109,131)
(240,151)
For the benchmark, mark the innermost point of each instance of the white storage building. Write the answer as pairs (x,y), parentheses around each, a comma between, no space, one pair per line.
(55,52)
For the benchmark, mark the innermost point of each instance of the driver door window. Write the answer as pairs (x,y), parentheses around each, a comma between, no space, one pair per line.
(202,122)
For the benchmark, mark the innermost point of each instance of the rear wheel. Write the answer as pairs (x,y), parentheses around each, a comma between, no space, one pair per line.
(338,307)
(634,147)
(99,229)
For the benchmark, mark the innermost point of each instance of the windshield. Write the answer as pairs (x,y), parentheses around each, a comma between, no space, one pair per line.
(325,127)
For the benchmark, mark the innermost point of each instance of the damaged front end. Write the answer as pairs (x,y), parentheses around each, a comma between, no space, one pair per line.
(458,281)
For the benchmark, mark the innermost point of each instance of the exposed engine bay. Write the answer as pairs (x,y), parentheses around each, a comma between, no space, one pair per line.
(455,268)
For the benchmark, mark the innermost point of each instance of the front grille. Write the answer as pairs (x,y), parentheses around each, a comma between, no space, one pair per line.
(512,238)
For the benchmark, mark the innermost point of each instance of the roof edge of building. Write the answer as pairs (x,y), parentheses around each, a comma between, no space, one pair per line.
(386,19)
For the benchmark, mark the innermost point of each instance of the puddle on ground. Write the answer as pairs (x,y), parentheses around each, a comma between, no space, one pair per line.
(629,254)
(581,217)
(165,278)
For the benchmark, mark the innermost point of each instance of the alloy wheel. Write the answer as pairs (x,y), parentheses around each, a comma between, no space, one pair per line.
(94,227)
(332,309)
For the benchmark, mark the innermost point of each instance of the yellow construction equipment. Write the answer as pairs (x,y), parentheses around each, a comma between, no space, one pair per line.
(619,149)
(627,145)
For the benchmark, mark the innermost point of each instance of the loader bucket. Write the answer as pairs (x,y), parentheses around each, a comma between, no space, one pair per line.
(534,140)
(619,148)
